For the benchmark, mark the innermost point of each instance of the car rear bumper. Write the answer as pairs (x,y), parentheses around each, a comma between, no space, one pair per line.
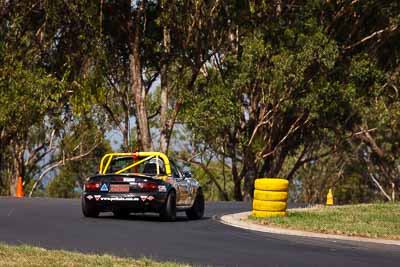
(133,202)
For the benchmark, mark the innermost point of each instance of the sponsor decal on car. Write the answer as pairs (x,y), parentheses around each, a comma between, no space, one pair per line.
(90,197)
(97,197)
(162,188)
(143,198)
(104,188)
(130,180)
(118,198)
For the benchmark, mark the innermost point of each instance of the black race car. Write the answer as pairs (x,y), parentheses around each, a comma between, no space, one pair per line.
(141,182)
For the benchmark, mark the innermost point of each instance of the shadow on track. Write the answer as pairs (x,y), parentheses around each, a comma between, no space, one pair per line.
(150,217)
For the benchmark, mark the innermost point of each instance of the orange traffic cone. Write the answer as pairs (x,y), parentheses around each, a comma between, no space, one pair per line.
(20,188)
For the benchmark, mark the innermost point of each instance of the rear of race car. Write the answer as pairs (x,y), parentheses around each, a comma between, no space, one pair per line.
(123,194)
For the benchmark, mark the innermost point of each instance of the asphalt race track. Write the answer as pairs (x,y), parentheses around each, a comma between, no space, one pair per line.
(59,224)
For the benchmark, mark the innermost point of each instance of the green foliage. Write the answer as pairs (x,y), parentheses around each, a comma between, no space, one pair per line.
(63,186)
(210,190)
(27,96)
(215,104)
(353,188)
(82,136)
(69,181)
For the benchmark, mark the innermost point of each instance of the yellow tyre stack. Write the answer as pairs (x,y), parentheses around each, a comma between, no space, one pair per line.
(270,197)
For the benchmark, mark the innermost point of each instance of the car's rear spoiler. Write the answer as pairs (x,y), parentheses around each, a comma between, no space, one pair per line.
(106,161)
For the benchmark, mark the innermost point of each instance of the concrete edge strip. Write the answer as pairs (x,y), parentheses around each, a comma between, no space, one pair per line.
(236,220)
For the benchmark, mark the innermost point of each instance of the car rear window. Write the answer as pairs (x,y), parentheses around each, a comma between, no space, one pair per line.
(148,167)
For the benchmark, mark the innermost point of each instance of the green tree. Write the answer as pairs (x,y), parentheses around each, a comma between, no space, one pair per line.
(42,65)
(292,80)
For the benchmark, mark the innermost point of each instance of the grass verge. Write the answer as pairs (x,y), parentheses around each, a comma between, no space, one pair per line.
(380,220)
(32,256)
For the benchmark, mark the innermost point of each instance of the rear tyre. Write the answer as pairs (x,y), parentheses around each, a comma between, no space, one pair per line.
(197,210)
(168,211)
(89,210)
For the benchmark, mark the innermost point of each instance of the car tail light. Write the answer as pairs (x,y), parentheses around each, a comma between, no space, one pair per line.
(92,186)
(148,186)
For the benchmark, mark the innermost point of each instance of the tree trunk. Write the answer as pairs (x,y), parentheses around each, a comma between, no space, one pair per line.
(249,173)
(237,190)
(237,185)
(125,140)
(237,179)
(137,88)
(140,102)
(165,131)
(126,129)
(393,191)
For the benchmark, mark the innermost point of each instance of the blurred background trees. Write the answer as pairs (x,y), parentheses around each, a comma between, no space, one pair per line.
(237,90)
